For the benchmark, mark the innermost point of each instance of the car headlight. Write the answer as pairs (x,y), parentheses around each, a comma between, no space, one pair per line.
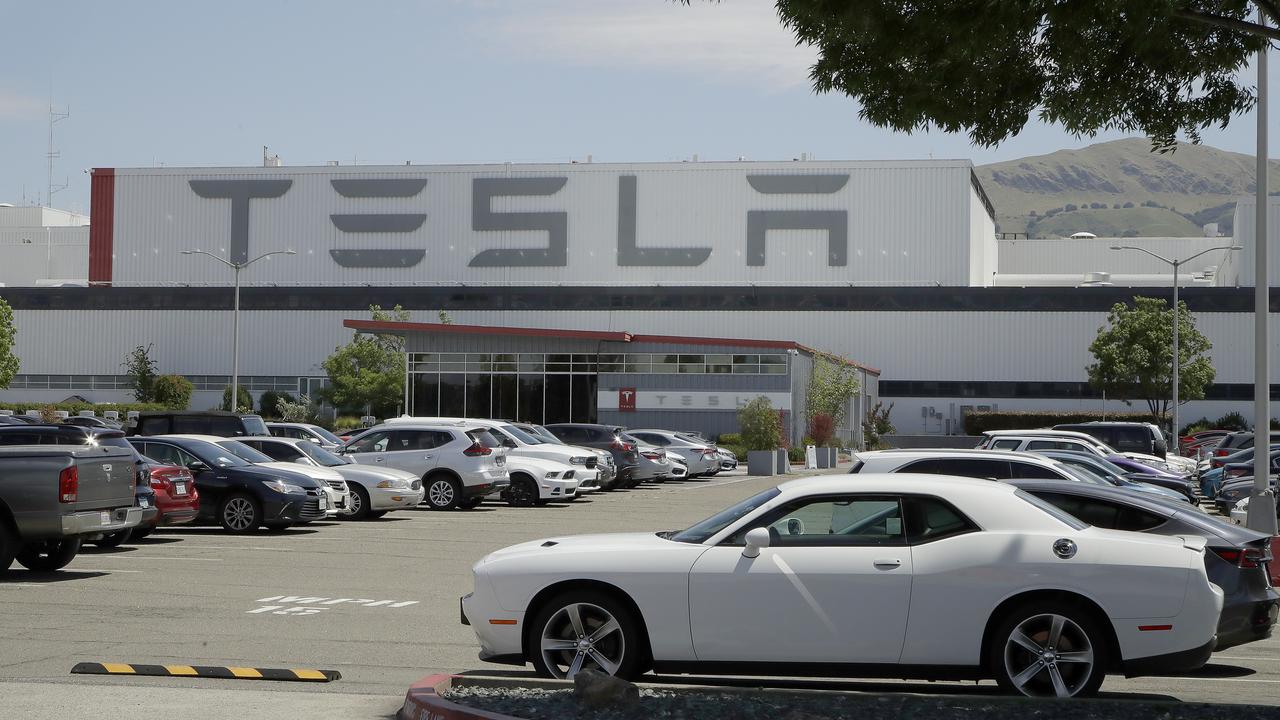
(578,461)
(395,484)
(552,475)
(285,488)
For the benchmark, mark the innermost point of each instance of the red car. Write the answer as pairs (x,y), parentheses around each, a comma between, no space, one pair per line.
(176,495)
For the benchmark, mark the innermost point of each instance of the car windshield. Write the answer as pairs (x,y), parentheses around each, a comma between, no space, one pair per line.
(325,434)
(521,435)
(542,433)
(214,455)
(1085,474)
(253,425)
(323,457)
(700,532)
(244,452)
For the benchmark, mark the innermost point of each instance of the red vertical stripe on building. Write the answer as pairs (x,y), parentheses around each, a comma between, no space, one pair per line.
(102,220)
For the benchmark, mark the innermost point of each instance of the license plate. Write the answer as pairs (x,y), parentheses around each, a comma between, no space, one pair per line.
(180,489)
(144,503)
(106,517)
(324,503)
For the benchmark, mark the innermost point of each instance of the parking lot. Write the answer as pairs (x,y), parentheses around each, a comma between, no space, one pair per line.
(376,601)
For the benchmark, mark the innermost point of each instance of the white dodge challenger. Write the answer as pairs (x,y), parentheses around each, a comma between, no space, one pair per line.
(909,576)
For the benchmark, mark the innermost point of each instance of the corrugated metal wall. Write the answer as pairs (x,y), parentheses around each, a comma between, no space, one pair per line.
(677,205)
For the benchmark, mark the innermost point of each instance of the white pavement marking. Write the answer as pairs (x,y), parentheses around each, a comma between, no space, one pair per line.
(297,604)
(144,557)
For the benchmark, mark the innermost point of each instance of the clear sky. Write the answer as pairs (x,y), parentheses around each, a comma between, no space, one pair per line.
(433,81)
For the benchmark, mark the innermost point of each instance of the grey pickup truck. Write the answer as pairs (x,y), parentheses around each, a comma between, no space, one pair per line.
(51,496)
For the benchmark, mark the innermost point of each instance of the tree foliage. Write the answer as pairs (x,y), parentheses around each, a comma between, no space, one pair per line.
(141,370)
(291,410)
(832,384)
(983,67)
(269,402)
(877,424)
(172,391)
(368,371)
(759,425)
(9,363)
(1134,355)
(822,429)
(244,399)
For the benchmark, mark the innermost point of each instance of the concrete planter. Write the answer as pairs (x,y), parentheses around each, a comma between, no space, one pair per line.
(784,462)
(762,462)
(827,458)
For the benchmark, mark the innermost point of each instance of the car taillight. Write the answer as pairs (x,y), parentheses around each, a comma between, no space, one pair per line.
(68,485)
(1220,452)
(1249,557)
(655,456)
(476,450)
(159,482)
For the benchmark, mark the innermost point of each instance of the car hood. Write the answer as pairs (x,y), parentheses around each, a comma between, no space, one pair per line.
(371,474)
(311,471)
(274,471)
(603,545)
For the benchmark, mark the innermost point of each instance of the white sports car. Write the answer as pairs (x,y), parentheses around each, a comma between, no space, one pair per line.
(910,576)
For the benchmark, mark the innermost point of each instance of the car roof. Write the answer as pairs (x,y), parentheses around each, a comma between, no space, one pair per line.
(206,438)
(60,428)
(1046,432)
(955,453)
(281,423)
(195,413)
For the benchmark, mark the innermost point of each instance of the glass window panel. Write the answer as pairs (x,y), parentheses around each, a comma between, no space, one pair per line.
(719,368)
(743,369)
(559,358)
(781,369)
(782,359)
(699,359)
(557,399)
(479,388)
(746,359)
(453,367)
(610,367)
(530,398)
(426,395)
(720,359)
(504,363)
(484,367)
(637,363)
(559,367)
(583,399)
(479,357)
(504,397)
(452,395)
(612,359)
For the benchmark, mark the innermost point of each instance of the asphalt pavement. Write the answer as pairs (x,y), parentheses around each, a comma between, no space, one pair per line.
(376,601)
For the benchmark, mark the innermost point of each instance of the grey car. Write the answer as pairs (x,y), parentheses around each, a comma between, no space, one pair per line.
(1236,558)
(653,463)
(700,456)
(1110,472)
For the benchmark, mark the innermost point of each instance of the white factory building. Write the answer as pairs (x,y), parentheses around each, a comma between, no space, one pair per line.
(894,265)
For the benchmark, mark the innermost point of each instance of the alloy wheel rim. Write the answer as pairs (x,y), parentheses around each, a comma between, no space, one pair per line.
(1048,655)
(579,635)
(238,514)
(441,493)
(355,502)
(522,493)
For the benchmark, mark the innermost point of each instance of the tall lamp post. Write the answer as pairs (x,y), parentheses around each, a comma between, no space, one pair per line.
(1176,359)
(235,331)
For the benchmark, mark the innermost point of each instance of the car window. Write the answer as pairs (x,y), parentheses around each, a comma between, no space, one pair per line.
(154,426)
(225,426)
(962,467)
(244,452)
(373,442)
(20,438)
(1034,445)
(167,454)
(322,457)
(1051,510)
(833,521)
(250,425)
(522,436)
(484,437)
(418,439)
(1130,440)
(324,435)
(929,519)
(1103,513)
(1006,444)
(282,452)
(703,530)
(1031,471)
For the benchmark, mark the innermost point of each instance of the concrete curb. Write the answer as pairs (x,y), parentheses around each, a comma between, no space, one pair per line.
(424,701)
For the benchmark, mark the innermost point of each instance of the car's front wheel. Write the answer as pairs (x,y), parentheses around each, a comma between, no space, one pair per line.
(49,555)
(1049,650)
(359,503)
(523,491)
(239,513)
(585,629)
(443,492)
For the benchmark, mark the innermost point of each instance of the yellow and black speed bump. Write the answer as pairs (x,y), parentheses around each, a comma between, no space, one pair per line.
(207,671)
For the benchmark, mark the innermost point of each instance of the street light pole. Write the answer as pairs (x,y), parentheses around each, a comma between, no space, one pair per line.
(1177,316)
(235,314)
(1262,503)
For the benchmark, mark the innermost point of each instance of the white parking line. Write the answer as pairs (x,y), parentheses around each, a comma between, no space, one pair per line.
(144,557)
(114,570)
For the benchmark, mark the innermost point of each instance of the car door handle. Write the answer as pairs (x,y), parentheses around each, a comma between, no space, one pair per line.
(887,563)
(427,457)
(378,459)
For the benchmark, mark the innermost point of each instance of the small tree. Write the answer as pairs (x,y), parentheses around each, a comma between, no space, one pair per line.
(368,372)
(141,370)
(173,391)
(1231,421)
(269,403)
(832,384)
(1134,355)
(291,410)
(48,414)
(822,429)
(759,424)
(876,425)
(244,399)
(9,362)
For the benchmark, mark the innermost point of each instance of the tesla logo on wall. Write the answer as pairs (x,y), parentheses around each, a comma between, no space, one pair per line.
(627,399)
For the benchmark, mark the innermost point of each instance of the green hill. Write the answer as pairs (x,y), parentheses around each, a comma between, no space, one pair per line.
(1194,185)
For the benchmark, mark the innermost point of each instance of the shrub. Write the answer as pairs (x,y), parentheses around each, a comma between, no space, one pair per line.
(295,411)
(347,422)
(796,455)
(48,414)
(1098,206)
(975,423)
(269,403)
(876,424)
(1128,205)
(243,396)
(1195,427)
(1231,421)
(760,426)
(74,408)
(1071,207)
(1115,206)
(822,429)
(729,439)
(172,391)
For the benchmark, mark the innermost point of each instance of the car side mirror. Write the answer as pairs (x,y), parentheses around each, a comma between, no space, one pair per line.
(757,539)
(197,466)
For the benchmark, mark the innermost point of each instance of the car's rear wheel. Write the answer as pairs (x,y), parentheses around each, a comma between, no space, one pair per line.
(359,503)
(239,513)
(139,532)
(523,491)
(49,555)
(1049,650)
(585,629)
(471,503)
(443,492)
(115,539)
(8,546)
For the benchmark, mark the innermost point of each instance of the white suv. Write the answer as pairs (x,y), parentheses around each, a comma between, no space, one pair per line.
(983,464)
(459,463)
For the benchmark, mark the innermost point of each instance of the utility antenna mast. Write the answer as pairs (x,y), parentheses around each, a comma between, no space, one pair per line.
(51,155)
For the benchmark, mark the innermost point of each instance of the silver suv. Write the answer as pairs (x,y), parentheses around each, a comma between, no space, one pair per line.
(459,463)
(988,464)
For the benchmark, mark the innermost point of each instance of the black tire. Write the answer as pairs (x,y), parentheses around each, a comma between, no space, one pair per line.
(523,491)
(471,503)
(375,514)
(442,492)
(1038,669)
(239,513)
(277,527)
(8,546)
(359,503)
(49,555)
(139,533)
(115,539)
(625,645)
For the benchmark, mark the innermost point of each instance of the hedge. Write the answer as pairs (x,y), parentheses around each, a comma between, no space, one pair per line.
(975,423)
(74,408)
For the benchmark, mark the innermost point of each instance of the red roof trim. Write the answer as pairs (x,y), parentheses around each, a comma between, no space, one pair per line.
(102,206)
(733,342)
(389,326)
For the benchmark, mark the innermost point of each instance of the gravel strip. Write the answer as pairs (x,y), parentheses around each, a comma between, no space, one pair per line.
(539,704)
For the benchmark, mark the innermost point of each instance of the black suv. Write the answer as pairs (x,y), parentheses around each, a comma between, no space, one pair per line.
(143,495)
(626,457)
(210,422)
(235,493)
(1125,437)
